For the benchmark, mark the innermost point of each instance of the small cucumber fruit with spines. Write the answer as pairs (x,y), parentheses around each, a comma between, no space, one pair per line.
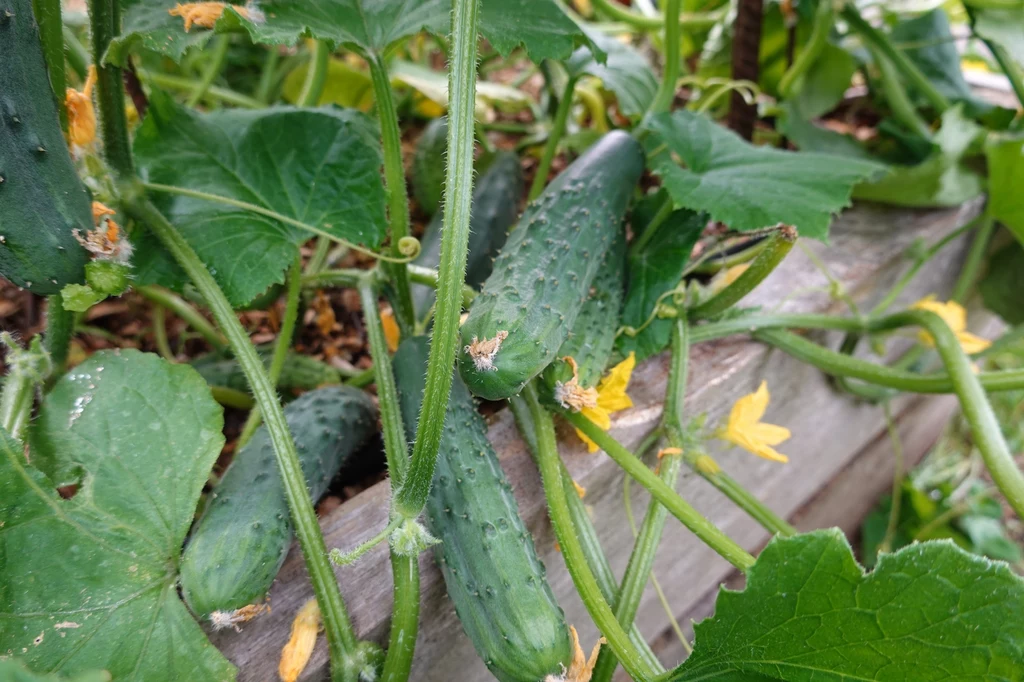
(546,269)
(298,371)
(241,540)
(495,208)
(42,200)
(428,166)
(493,575)
(592,339)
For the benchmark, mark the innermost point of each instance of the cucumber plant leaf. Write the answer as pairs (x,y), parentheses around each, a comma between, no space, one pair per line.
(540,26)
(1005,156)
(706,167)
(941,179)
(1004,27)
(625,72)
(1002,287)
(11,670)
(89,583)
(810,614)
(651,272)
(318,166)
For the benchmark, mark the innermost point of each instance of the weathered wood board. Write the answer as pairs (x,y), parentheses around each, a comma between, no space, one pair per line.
(835,439)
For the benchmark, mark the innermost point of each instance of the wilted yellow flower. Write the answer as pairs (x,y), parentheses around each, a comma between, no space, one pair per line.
(580,490)
(726,277)
(746,430)
(81,115)
(99,210)
(295,654)
(203,14)
(955,317)
(391,332)
(611,398)
(581,668)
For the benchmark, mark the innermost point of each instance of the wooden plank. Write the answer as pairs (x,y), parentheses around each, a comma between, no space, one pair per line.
(829,430)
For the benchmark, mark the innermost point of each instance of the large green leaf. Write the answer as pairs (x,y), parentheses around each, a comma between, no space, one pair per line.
(319,166)
(626,72)
(370,25)
(89,583)
(825,84)
(11,670)
(652,271)
(809,614)
(748,187)
(1005,178)
(1005,27)
(1002,287)
(941,179)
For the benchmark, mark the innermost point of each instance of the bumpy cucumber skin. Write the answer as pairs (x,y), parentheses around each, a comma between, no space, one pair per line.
(545,271)
(495,208)
(592,338)
(41,198)
(238,545)
(428,166)
(490,566)
(298,371)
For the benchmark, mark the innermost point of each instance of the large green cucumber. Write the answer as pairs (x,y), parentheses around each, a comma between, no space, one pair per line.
(428,166)
(42,201)
(298,371)
(592,339)
(490,567)
(495,208)
(545,271)
(241,540)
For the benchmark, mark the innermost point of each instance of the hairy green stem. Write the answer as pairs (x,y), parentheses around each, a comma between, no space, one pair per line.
(316,76)
(281,347)
(824,18)
(269,70)
(975,259)
(540,178)
(16,404)
(762,266)
(60,327)
(396,449)
(670,76)
(880,41)
(404,618)
(746,501)
(51,35)
(903,109)
(458,191)
(170,81)
(394,178)
(163,346)
(105,20)
(550,467)
(75,53)
(693,21)
(180,307)
(213,69)
(341,638)
(677,506)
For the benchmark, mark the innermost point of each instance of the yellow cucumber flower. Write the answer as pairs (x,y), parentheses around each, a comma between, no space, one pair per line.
(581,667)
(611,397)
(955,317)
(81,115)
(391,333)
(295,654)
(204,14)
(746,430)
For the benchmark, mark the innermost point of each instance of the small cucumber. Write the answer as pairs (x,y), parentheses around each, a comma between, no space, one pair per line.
(490,566)
(298,371)
(428,166)
(241,540)
(495,208)
(592,338)
(42,201)
(545,271)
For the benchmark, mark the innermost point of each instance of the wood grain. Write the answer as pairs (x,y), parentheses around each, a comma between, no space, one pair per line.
(832,432)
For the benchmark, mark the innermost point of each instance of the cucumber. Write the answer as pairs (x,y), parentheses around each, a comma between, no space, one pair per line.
(428,166)
(592,338)
(42,201)
(241,539)
(545,271)
(495,208)
(298,371)
(490,566)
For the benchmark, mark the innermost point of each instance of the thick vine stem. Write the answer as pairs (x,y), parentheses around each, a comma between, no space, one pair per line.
(550,467)
(395,447)
(51,35)
(540,178)
(404,618)
(670,76)
(985,430)
(105,20)
(762,266)
(181,308)
(824,18)
(452,269)
(341,638)
(907,68)
(281,346)
(394,178)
